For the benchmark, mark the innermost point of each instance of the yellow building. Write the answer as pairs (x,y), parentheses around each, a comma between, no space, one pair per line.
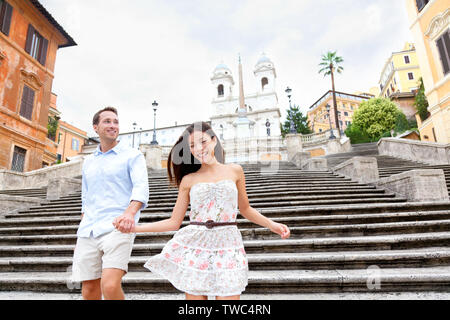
(430,20)
(347,104)
(401,72)
(70,141)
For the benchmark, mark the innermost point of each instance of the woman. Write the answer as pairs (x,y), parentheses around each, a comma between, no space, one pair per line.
(207,257)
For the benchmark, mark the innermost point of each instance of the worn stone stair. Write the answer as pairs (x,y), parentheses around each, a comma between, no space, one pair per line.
(387,166)
(342,234)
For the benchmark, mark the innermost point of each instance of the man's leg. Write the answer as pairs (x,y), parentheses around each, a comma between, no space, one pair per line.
(117,247)
(111,284)
(87,268)
(91,290)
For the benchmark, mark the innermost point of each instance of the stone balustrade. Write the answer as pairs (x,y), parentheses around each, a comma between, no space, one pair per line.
(426,152)
(39,178)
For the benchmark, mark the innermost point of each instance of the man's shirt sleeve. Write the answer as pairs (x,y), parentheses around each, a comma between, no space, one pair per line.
(84,188)
(139,179)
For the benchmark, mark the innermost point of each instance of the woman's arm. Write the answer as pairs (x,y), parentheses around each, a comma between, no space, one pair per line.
(178,213)
(253,215)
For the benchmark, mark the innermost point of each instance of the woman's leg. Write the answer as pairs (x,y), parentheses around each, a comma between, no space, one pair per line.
(193,297)
(238,297)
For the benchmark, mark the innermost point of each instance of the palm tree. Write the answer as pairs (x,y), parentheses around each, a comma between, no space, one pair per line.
(330,64)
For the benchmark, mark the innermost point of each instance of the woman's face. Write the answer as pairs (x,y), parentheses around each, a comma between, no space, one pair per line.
(202,146)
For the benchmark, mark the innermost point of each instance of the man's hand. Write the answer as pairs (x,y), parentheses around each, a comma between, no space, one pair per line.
(125,222)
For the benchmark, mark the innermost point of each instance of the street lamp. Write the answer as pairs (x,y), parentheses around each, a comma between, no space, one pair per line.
(291,122)
(268,127)
(134,131)
(155,106)
(329,121)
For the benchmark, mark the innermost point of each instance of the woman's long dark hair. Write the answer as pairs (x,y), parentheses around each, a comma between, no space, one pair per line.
(181,161)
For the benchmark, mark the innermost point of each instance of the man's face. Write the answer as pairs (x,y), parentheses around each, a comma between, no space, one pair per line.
(108,126)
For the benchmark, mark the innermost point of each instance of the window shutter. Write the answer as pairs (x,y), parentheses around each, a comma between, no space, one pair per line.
(443,54)
(26,107)
(29,39)
(6,14)
(43,51)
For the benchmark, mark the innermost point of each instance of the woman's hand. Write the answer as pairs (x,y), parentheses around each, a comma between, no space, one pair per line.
(116,225)
(281,229)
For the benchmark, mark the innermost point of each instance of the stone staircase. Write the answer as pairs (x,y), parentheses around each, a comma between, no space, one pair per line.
(387,166)
(31,192)
(345,237)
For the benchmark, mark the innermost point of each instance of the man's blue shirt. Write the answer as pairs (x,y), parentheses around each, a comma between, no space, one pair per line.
(110,181)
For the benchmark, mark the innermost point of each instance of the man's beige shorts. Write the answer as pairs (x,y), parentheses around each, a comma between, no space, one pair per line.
(92,255)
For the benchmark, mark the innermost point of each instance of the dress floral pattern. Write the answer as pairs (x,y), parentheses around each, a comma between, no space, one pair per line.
(202,261)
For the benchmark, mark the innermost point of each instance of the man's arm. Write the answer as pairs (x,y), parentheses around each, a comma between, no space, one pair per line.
(139,194)
(83,191)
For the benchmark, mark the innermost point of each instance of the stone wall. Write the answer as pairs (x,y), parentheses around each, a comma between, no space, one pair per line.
(361,169)
(421,151)
(41,177)
(417,185)
(10,203)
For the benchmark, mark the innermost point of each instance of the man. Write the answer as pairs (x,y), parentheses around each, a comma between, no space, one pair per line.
(114,190)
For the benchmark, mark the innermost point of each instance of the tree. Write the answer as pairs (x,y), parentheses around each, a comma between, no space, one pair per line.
(378,116)
(356,134)
(330,65)
(421,102)
(301,122)
(52,127)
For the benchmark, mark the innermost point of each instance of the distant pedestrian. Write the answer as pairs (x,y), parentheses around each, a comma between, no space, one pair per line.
(114,190)
(207,257)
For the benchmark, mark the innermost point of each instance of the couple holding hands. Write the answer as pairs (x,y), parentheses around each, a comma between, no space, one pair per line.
(204,258)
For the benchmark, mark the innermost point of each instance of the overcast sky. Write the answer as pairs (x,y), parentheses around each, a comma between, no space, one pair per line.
(133,52)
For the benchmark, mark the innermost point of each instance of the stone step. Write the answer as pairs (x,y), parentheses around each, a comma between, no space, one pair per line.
(340,244)
(440,256)
(269,196)
(167,207)
(68,225)
(257,205)
(436,279)
(64,203)
(257,190)
(304,232)
(140,296)
(303,211)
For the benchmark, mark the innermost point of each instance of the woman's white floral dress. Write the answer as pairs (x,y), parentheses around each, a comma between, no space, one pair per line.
(202,261)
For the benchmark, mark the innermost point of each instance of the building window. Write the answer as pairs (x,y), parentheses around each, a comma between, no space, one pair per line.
(18,162)
(264,82)
(443,45)
(410,76)
(5,16)
(75,144)
(406,59)
(345,113)
(27,104)
(220,90)
(36,45)
(421,4)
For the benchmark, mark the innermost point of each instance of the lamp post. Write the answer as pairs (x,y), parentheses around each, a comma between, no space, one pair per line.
(155,106)
(268,127)
(134,131)
(329,121)
(291,122)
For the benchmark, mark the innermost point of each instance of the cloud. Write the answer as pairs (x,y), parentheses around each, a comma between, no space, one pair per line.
(131,53)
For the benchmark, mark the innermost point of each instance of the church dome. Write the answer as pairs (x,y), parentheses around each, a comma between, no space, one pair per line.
(263,59)
(221,67)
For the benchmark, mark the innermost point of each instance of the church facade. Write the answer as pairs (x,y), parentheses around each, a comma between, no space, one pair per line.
(260,108)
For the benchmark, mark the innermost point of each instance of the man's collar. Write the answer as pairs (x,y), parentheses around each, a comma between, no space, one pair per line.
(116,149)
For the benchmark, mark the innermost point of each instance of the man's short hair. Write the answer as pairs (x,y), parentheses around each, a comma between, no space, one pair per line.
(96,118)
